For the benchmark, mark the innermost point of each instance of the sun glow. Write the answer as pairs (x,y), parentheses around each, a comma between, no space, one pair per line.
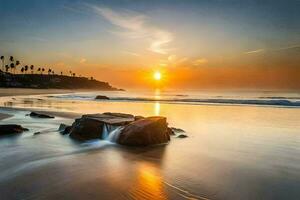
(157,76)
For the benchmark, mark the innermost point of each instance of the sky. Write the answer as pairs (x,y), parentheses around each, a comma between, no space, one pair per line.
(249,44)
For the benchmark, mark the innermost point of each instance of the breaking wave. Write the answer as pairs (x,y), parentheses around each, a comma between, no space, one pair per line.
(264,101)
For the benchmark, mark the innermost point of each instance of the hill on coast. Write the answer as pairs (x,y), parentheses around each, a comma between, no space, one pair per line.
(50,81)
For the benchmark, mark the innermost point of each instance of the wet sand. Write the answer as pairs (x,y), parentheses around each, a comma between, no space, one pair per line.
(27,91)
(232,152)
(4,116)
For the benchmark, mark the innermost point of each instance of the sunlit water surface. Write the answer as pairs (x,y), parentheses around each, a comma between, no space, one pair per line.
(232,152)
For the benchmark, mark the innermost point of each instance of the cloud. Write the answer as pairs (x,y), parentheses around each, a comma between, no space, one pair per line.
(131,53)
(172,58)
(200,61)
(82,60)
(286,48)
(294,47)
(255,51)
(135,25)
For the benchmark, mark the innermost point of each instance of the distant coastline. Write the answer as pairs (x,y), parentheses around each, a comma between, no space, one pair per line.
(51,81)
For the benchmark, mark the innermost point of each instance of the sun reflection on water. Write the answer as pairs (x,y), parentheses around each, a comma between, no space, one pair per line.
(157,108)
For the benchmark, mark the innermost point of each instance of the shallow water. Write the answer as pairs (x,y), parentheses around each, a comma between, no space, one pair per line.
(232,152)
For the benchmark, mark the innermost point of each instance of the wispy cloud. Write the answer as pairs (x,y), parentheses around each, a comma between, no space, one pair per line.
(255,51)
(200,61)
(82,60)
(286,48)
(135,25)
(131,53)
(294,47)
(177,60)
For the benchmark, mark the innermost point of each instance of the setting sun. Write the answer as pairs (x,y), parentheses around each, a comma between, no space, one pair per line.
(157,76)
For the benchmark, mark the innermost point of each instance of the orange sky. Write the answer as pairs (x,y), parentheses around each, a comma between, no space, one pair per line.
(195,44)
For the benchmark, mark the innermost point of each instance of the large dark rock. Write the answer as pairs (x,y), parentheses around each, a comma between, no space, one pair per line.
(11,129)
(125,129)
(143,132)
(92,126)
(39,115)
(102,97)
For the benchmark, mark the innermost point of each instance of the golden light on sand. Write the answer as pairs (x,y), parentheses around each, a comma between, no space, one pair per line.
(148,184)
(157,75)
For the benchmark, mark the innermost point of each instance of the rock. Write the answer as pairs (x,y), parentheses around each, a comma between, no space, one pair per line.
(11,129)
(122,128)
(39,115)
(95,126)
(138,118)
(177,130)
(102,97)
(64,129)
(182,136)
(143,132)
(37,133)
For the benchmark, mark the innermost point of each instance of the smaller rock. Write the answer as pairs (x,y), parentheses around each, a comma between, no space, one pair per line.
(182,136)
(177,130)
(39,115)
(64,129)
(11,129)
(37,133)
(138,117)
(102,97)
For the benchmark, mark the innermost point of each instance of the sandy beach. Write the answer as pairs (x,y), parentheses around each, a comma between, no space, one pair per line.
(24,91)
(253,148)
(14,92)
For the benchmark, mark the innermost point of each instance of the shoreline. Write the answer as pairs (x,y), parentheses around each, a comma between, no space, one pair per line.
(64,114)
(7,92)
(4,115)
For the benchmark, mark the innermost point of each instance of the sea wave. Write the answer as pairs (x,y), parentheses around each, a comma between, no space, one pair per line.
(276,102)
(259,101)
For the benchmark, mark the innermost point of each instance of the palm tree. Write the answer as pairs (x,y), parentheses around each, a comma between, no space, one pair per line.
(31,68)
(49,71)
(43,69)
(17,63)
(61,73)
(70,73)
(11,59)
(26,68)
(2,59)
(6,68)
(74,74)
(22,70)
(39,70)
(12,66)
(53,72)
